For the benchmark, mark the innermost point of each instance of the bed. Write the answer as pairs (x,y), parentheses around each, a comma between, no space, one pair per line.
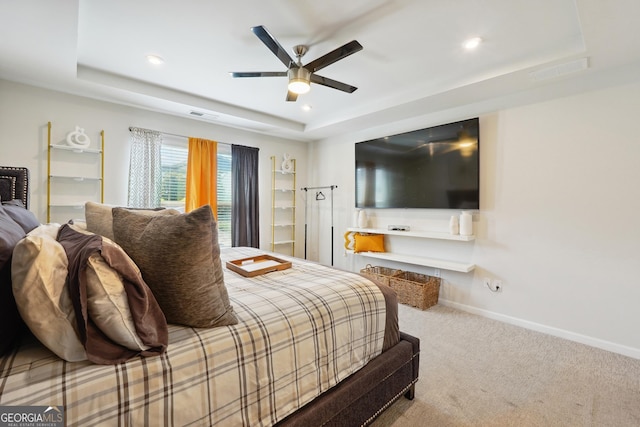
(312,345)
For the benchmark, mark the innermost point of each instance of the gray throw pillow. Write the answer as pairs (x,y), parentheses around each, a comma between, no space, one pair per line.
(179,258)
(24,218)
(10,234)
(99,217)
(10,322)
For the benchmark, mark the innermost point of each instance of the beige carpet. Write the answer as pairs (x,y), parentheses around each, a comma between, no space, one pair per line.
(480,372)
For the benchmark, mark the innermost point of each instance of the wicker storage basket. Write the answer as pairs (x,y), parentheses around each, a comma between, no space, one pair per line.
(415,289)
(381,274)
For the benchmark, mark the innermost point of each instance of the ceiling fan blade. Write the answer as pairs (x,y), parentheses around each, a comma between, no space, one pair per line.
(291,96)
(324,81)
(273,45)
(333,56)
(258,73)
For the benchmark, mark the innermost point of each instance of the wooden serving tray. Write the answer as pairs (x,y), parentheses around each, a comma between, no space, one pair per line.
(257,265)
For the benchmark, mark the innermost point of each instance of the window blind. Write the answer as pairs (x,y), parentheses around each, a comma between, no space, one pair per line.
(224,194)
(174,179)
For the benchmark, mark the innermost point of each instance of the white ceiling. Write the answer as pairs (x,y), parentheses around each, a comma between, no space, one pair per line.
(412,63)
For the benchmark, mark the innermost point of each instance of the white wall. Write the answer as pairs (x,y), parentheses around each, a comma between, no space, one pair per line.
(560,204)
(25,111)
(559,222)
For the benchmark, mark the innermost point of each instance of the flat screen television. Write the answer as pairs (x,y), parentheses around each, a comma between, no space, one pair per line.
(432,168)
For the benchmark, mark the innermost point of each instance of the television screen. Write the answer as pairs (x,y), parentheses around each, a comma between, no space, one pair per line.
(432,168)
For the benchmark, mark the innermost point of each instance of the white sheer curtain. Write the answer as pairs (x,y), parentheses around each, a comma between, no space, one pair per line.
(145,172)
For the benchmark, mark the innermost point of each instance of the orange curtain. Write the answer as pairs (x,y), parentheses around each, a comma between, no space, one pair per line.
(202,174)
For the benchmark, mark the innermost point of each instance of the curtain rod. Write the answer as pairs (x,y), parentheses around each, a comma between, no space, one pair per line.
(131,128)
(319,188)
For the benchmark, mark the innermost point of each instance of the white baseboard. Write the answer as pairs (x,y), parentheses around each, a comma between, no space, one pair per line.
(572,336)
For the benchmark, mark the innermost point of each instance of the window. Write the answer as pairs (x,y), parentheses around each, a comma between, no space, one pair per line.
(173,157)
(173,160)
(224,194)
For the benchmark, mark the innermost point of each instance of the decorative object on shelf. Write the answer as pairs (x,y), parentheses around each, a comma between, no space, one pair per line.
(363,221)
(454,225)
(349,240)
(365,242)
(78,138)
(466,223)
(287,163)
(399,228)
(356,216)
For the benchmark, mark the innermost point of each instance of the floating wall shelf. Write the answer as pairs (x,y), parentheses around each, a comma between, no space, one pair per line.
(418,260)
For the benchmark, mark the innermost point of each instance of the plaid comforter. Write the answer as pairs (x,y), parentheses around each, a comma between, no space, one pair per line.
(300,332)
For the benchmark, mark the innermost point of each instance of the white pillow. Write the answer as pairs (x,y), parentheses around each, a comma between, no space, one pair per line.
(38,274)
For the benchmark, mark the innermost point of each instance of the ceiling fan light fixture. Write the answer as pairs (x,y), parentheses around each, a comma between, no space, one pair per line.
(299,80)
(299,86)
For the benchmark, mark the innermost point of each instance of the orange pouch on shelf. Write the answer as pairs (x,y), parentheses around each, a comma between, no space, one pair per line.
(369,243)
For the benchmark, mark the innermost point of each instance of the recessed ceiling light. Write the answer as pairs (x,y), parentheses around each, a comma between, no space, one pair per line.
(155,59)
(472,43)
(307,107)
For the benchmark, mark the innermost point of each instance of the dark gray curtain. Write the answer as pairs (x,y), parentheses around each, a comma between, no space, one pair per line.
(245,224)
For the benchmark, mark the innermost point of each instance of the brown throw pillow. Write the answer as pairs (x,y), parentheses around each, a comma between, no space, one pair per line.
(179,258)
(99,217)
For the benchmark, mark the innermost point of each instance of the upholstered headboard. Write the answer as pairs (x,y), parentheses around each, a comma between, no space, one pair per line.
(14,184)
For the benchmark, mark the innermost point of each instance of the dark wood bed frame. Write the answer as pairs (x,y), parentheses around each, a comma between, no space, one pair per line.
(356,401)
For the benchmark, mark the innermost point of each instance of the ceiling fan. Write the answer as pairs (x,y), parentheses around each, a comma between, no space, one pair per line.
(301,76)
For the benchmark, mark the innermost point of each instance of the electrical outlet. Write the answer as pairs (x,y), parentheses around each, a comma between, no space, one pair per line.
(494,285)
(436,272)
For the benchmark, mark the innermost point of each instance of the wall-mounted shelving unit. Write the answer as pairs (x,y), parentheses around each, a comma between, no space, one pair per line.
(283,207)
(421,234)
(418,260)
(74,175)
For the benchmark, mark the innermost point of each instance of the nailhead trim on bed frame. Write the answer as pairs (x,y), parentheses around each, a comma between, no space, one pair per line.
(394,398)
(17,175)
